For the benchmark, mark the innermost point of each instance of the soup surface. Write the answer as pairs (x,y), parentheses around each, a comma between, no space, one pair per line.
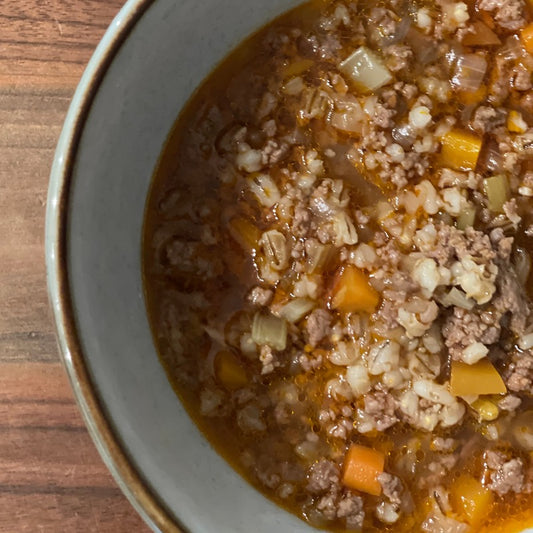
(337,263)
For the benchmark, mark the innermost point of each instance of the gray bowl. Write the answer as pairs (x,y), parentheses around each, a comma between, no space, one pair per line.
(153,56)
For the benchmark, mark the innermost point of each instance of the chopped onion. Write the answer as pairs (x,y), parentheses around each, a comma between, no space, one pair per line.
(270,330)
(490,157)
(318,255)
(497,191)
(296,309)
(457,298)
(481,35)
(522,264)
(366,69)
(469,73)
(512,48)
(424,47)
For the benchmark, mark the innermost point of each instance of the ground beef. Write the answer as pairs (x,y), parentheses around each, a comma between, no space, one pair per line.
(521,78)
(381,407)
(455,244)
(399,57)
(509,403)
(318,326)
(505,475)
(268,359)
(327,505)
(382,116)
(272,153)
(301,221)
(502,244)
(260,296)
(382,22)
(388,311)
(392,487)
(486,119)
(350,507)
(322,476)
(437,470)
(508,14)
(519,374)
(462,328)
(308,362)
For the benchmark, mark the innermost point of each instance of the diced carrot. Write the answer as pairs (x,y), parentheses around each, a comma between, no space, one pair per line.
(352,291)
(460,150)
(362,466)
(470,499)
(527,37)
(479,378)
(481,35)
(229,371)
(245,233)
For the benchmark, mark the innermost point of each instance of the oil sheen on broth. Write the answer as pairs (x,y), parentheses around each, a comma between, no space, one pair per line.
(337,260)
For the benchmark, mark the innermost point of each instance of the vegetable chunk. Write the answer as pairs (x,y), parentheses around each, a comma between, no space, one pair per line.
(460,150)
(270,330)
(470,499)
(362,466)
(497,191)
(479,378)
(353,293)
(229,371)
(366,69)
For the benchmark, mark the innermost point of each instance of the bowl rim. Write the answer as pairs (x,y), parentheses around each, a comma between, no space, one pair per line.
(102,432)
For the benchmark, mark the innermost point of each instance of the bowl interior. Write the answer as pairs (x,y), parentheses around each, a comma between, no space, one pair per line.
(164,57)
(168,52)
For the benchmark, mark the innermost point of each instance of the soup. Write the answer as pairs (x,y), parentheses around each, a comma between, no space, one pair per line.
(337,263)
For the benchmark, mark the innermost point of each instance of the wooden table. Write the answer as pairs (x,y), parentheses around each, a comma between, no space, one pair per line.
(51,477)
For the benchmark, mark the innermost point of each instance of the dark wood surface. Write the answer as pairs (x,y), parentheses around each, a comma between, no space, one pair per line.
(51,476)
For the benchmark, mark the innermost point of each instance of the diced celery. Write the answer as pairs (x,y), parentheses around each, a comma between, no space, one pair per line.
(296,309)
(270,330)
(366,69)
(497,191)
(467,218)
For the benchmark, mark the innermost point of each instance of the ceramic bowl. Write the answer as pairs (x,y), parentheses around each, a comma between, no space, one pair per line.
(151,59)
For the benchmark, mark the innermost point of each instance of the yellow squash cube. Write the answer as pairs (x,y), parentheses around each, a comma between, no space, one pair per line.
(476,379)
(353,293)
(460,150)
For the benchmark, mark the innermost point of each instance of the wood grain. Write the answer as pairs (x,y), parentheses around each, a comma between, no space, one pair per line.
(51,476)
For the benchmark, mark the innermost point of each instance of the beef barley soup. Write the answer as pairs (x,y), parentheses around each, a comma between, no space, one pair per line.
(337,258)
